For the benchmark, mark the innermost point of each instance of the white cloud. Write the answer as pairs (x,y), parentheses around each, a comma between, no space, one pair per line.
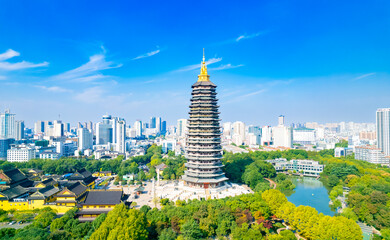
(149,54)
(197,66)
(364,76)
(9,54)
(241,37)
(101,95)
(90,95)
(54,89)
(243,97)
(7,66)
(89,71)
(226,66)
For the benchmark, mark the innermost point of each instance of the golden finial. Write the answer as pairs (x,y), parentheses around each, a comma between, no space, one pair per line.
(203,71)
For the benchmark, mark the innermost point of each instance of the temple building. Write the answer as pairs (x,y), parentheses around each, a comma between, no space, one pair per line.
(203,145)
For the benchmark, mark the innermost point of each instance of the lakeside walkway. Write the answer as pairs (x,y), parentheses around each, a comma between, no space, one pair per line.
(272,184)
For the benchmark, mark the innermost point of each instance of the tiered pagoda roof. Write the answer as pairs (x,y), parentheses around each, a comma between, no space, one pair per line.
(203,145)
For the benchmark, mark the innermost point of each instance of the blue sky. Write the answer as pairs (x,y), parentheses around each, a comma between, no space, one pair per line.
(324,61)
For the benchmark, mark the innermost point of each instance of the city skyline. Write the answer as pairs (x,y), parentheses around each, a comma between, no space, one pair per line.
(125,63)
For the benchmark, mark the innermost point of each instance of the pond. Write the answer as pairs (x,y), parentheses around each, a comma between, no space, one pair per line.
(310,192)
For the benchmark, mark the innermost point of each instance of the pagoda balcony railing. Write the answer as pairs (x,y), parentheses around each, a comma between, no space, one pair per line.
(192,170)
(194,105)
(205,175)
(203,158)
(202,165)
(216,125)
(204,140)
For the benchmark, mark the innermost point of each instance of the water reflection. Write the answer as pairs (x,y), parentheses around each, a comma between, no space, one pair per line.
(310,192)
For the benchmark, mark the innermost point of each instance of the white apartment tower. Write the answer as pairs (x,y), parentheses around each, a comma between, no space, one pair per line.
(85,139)
(138,128)
(182,127)
(7,124)
(383,130)
(282,135)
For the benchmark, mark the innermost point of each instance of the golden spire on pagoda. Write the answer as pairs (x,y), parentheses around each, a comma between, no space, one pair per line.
(203,77)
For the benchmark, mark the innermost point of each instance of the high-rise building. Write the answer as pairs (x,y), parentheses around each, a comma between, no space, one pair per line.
(19,130)
(281,120)
(58,128)
(85,139)
(181,127)
(152,123)
(145,125)
(256,131)
(120,142)
(266,135)
(163,127)
(383,130)
(282,135)
(238,136)
(203,145)
(138,128)
(158,124)
(7,124)
(5,144)
(112,130)
(39,127)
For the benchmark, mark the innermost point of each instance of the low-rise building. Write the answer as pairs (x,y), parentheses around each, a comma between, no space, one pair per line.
(13,177)
(71,195)
(342,152)
(14,198)
(371,154)
(42,197)
(305,167)
(20,154)
(98,202)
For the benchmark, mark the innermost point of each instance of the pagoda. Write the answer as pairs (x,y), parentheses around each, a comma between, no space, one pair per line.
(203,143)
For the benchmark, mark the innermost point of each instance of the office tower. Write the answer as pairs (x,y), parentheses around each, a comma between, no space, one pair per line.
(163,127)
(112,130)
(85,139)
(39,127)
(47,125)
(145,125)
(138,128)
(90,126)
(120,138)
(266,135)
(67,127)
(203,145)
(7,124)
(227,129)
(256,131)
(383,130)
(158,124)
(282,135)
(19,130)
(5,144)
(152,123)
(281,120)
(79,125)
(181,127)
(104,131)
(238,136)
(58,129)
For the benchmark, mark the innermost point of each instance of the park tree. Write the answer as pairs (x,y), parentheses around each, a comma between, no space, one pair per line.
(191,230)
(274,199)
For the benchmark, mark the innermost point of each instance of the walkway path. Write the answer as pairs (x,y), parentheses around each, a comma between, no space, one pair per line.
(272,184)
